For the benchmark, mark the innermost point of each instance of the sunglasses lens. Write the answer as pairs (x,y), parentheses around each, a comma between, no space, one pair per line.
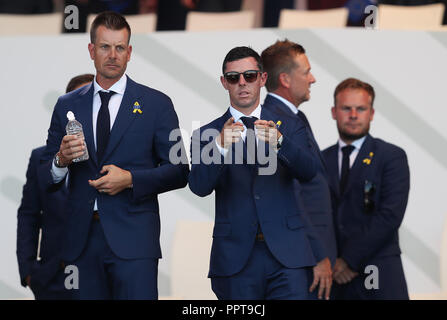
(250,76)
(232,77)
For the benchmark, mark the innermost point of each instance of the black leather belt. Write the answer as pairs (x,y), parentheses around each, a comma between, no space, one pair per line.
(95,215)
(260,237)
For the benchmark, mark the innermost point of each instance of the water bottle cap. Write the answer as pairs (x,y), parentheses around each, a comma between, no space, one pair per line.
(70,116)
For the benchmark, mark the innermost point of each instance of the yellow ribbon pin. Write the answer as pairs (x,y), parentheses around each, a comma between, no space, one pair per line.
(136,108)
(278,124)
(368,160)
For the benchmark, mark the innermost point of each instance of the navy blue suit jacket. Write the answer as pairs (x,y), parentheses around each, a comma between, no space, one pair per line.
(244,199)
(45,209)
(314,194)
(364,238)
(140,143)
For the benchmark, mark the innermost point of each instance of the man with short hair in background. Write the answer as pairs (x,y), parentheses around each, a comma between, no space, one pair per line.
(288,86)
(370,181)
(43,210)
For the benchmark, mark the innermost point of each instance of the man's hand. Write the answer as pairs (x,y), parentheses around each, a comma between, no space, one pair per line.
(267,132)
(115,181)
(323,276)
(342,273)
(71,147)
(231,133)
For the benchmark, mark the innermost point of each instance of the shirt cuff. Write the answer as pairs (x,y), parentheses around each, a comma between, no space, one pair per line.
(58,174)
(222,151)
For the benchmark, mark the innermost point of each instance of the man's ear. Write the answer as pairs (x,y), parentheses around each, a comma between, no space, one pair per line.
(91,46)
(224,83)
(284,80)
(333,113)
(264,77)
(129,53)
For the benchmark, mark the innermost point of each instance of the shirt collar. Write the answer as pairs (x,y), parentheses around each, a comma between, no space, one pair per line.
(286,102)
(357,144)
(118,87)
(237,114)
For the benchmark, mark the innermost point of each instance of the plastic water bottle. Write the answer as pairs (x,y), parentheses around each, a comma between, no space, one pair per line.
(75,128)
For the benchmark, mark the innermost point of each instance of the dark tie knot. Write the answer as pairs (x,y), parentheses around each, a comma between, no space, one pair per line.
(105,96)
(249,122)
(346,150)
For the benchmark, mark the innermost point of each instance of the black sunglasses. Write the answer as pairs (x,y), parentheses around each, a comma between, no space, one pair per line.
(368,192)
(233,77)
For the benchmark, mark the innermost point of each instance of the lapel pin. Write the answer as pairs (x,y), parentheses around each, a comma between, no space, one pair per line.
(136,108)
(368,160)
(278,123)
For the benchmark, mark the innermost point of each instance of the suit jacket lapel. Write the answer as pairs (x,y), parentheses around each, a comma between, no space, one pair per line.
(85,117)
(124,117)
(333,169)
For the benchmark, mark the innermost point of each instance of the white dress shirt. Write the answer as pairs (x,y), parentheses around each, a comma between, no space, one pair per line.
(357,144)
(114,104)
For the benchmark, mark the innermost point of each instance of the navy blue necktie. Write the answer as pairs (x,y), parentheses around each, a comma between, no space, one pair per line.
(250,137)
(103,124)
(346,150)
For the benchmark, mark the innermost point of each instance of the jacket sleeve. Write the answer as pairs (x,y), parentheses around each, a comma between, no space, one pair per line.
(295,155)
(207,164)
(172,170)
(28,220)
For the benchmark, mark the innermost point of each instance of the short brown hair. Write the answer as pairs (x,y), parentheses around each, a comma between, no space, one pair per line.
(111,20)
(239,53)
(279,58)
(352,83)
(78,80)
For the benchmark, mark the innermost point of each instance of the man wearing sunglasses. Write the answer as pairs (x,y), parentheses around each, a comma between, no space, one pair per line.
(263,247)
(288,85)
(370,181)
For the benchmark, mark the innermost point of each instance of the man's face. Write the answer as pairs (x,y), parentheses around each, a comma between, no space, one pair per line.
(353,113)
(243,94)
(300,80)
(110,53)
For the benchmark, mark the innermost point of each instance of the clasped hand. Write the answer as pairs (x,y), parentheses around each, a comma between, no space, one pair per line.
(231,132)
(115,181)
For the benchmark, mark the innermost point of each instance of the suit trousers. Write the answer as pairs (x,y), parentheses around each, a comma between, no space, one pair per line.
(103,275)
(263,278)
(53,290)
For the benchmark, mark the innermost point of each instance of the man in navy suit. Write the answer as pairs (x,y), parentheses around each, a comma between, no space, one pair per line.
(113,232)
(263,246)
(44,210)
(288,86)
(370,181)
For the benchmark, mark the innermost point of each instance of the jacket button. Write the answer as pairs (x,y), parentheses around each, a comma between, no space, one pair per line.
(257,197)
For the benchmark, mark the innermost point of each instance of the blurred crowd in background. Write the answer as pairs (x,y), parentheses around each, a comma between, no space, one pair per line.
(171,14)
